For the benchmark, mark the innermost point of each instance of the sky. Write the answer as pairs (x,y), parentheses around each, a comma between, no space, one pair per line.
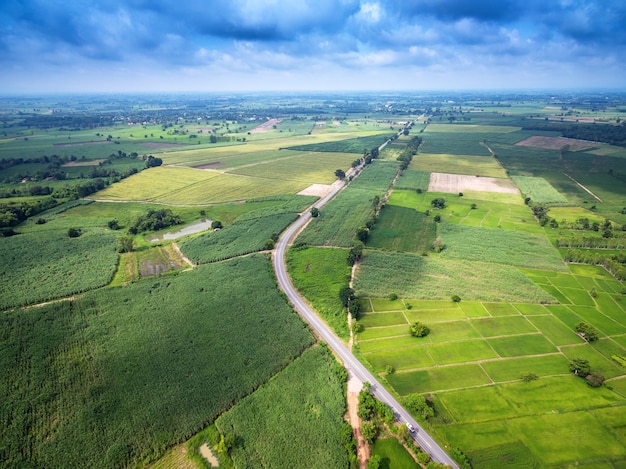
(319,45)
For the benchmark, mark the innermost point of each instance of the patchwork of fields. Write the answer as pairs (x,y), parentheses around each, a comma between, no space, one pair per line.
(451,239)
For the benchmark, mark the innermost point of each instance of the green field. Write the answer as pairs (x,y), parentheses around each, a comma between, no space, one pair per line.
(402,229)
(453,163)
(393,455)
(539,190)
(412,276)
(319,274)
(499,246)
(44,265)
(72,372)
(354,145)
(242,237)
(282,423)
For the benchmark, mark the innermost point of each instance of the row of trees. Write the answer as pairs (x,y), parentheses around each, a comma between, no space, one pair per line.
(615,263)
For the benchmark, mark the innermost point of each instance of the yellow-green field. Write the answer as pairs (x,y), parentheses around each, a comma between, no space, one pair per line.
(458,164)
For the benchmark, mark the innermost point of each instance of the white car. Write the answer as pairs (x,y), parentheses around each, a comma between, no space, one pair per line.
(410,427)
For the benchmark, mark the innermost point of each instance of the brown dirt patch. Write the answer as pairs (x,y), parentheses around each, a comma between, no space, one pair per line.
(319,190)
(75,144)
(455,183)
(265,126)
(556,143)
(84,163)
(363,449)
(209,165)
(207,454)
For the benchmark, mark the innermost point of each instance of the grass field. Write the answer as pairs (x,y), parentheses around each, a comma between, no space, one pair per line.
(282,423)
(499,246)
(393,455)
(402,229)
(420,277)
(319,274)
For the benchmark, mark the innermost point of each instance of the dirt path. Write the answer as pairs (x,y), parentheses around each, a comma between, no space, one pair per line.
(584,188)
(362,448)
(182,256)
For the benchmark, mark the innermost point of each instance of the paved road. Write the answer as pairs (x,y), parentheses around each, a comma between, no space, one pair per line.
(352,364)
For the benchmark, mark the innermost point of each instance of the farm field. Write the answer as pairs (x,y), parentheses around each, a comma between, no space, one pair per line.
(82,372)
(276,429)
(402,229)
(485,166)
(320,273)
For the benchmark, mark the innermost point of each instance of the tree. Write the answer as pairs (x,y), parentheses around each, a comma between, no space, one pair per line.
(216,225)
(362,234)
(113,224)
(315,212)
(74,232)
(595,379)
(587,331)
(354,308)
(340,173)
(369,431)
(417,404)
(125,244)
(346,295)
(456,298)
(355,253)
(419,329)
(374,462)
(580,367)
(438,203)
(403,432)
(152,162)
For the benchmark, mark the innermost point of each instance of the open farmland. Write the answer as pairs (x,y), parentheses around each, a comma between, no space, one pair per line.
(81,372)
(402,229)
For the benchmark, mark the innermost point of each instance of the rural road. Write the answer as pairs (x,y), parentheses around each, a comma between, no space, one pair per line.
(423,439)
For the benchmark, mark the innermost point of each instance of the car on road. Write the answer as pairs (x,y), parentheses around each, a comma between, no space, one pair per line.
(410,427)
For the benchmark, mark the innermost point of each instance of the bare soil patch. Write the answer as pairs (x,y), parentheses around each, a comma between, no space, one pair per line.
(556,143)
(363,449)
(84,163)
(455,183)
(265,126)
(75,144)
(207,454)
(209,165)
(319,190)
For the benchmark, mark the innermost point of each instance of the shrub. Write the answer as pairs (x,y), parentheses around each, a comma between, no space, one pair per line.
(595,379)
(438,203)
(419,329)
(456,298)
(74,232)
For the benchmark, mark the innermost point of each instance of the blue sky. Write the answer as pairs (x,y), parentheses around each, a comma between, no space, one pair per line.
(282,45)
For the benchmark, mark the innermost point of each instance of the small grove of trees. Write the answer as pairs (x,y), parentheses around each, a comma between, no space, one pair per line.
(580,367)
(355,253)
(438,203)
(155,220)
(340,174)
(152,162)
(587,331)
(350,301)
(418,404)
(419,329)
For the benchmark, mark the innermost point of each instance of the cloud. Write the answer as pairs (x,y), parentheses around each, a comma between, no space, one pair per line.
(297,39)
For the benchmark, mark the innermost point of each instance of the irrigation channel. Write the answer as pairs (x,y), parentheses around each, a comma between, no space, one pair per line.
(423,439)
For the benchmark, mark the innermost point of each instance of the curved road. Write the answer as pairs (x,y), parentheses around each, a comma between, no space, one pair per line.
(423,439)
